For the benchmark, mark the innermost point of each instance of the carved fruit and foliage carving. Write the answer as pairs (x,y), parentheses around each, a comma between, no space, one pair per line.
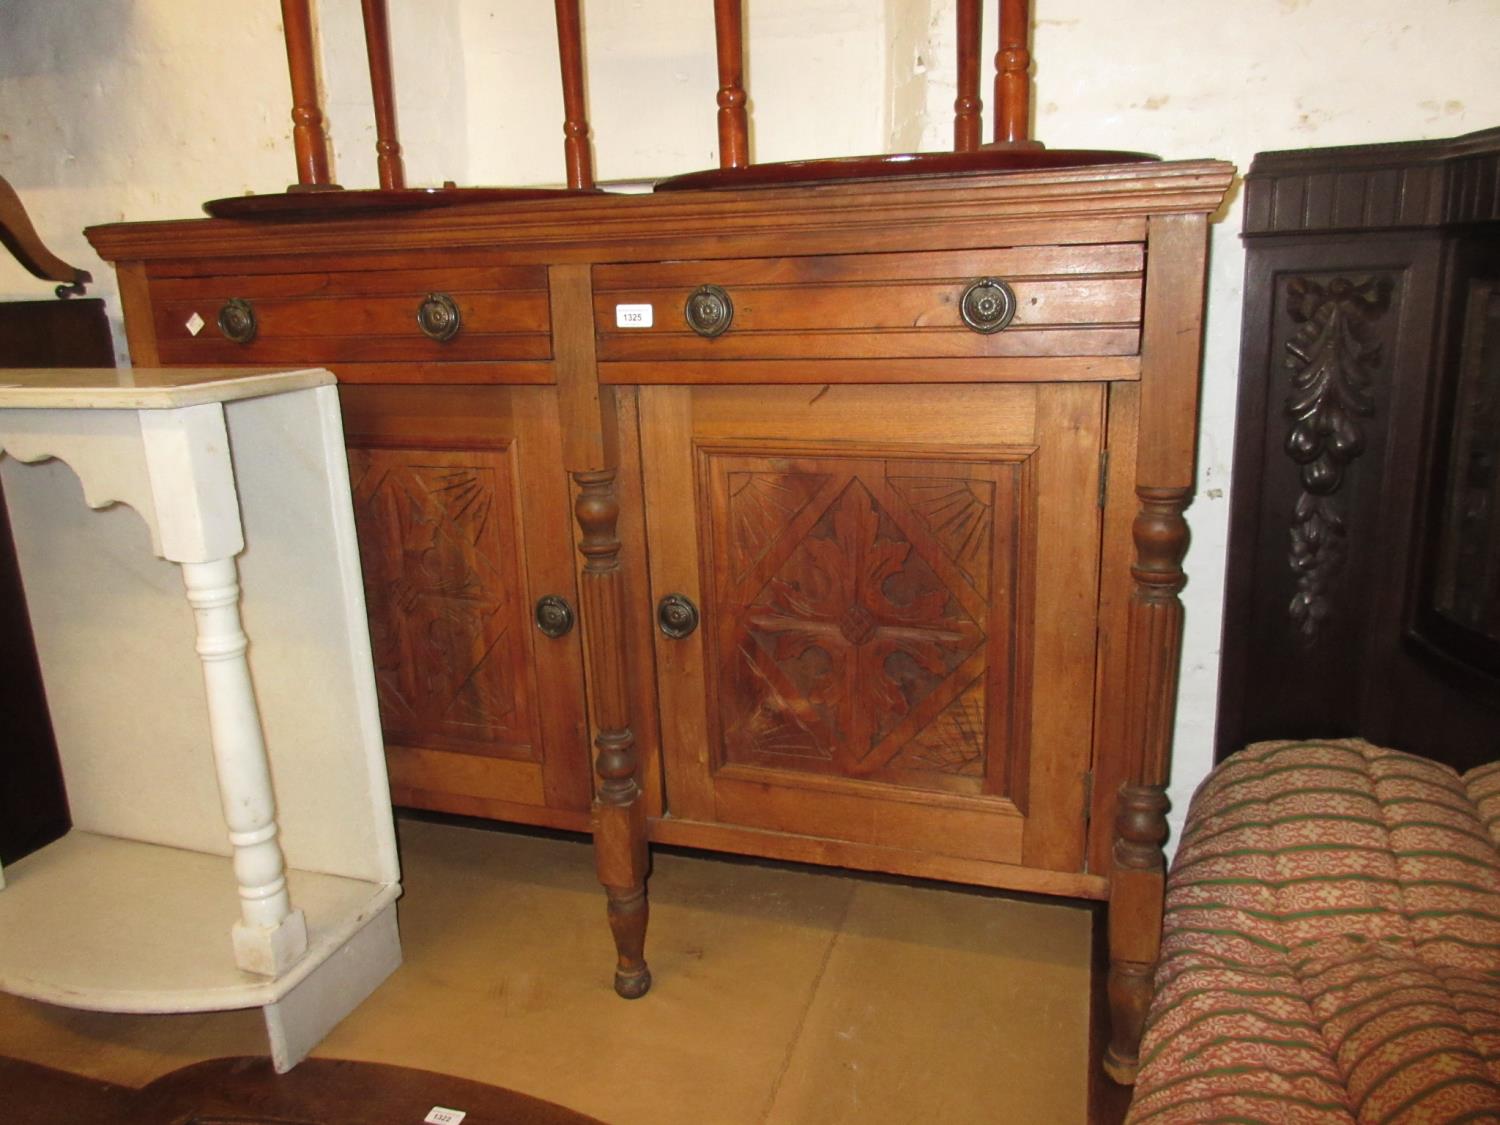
(865,611)
(445,598)
(1332,358)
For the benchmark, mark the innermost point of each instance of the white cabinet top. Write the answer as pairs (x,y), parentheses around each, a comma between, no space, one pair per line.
(146,388)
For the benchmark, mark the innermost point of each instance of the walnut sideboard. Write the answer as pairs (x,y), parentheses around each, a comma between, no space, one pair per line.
(867,499)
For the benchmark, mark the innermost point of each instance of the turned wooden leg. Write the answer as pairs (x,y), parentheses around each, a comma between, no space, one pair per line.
(1138,878)
(1135,910)
(628,911)
(619,816)
(270,936)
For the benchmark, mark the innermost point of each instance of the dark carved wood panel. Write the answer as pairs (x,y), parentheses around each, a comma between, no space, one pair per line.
(1333,358)
(1360,461)
(445,588)
(865,611)
(1306,547)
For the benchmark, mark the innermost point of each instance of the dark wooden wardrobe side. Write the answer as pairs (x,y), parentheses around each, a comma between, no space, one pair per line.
(33,804)
(1364,270)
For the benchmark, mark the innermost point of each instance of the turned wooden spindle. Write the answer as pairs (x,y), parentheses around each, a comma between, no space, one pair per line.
(270,936)
(619,816)
(576,154)
(382,92)
(967,107)
(307,118)
(734,125)
(1013,74)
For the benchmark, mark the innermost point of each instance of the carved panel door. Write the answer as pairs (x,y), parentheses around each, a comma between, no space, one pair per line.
(897,591)
(463,515)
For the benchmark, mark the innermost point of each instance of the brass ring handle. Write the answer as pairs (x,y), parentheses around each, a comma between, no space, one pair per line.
(987,305)
(709,311)
(438,317)
(677,616)
(554,616)
(237,320)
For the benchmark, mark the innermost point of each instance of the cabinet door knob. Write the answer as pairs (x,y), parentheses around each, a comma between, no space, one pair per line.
(237,320)
(987,305)
(554,616)
(438,317)
(709,311)
(677,616)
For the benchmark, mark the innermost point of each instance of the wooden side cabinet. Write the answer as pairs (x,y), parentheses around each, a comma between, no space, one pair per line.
(232,844)
(867,501)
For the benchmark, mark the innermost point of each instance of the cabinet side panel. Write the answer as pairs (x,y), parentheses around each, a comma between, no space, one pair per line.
(309,644)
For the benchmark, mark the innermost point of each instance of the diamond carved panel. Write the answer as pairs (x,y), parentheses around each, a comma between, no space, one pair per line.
(444,591)
(865,610)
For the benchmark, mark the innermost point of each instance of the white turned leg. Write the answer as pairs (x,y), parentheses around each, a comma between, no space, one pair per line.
(270,936)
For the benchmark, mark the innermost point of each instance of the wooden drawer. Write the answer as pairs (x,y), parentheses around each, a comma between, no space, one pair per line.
(356,316)
(1071,301)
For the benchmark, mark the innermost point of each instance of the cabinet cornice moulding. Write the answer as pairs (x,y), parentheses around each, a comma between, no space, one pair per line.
(1413,184)
(602,226)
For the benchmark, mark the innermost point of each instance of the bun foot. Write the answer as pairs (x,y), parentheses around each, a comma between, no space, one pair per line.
(634,984)
(1121,1071)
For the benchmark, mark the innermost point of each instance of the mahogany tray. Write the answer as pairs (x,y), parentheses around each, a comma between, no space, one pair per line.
(337,203)
(844,168)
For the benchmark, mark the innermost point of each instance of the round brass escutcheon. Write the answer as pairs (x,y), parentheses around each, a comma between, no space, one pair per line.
(677,616)
(237,320)
(438,317)
(709,311)
(554,616)
(987,305)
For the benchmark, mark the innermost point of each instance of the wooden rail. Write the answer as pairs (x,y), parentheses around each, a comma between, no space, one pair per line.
(383,94)
(307,118)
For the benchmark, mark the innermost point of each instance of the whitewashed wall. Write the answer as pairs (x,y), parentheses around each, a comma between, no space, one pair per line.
(142,109)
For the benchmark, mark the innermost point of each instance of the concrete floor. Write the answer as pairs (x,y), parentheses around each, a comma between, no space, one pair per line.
(782,995)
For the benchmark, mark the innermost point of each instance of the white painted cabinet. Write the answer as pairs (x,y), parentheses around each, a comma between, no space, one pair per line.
(206,658)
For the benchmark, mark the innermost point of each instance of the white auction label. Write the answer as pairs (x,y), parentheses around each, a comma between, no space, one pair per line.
(633,316)
(440,1116)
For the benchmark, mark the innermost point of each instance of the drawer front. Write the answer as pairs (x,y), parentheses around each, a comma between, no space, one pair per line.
(355,316)
(1069,301)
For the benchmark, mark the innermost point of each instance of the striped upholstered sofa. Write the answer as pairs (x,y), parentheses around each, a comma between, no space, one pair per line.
(1332,944)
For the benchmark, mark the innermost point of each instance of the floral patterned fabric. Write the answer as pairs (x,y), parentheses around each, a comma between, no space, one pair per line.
(1331,947)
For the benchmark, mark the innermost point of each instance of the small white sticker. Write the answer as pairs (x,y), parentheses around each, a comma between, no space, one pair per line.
(633,316)
(195,324)
(441,1116)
